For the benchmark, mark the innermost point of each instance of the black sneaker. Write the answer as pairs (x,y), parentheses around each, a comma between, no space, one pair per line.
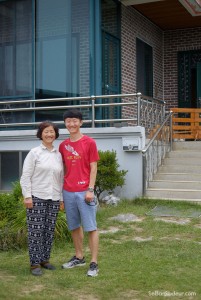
(48,266)
(36,271)
(74,262)
(93,270)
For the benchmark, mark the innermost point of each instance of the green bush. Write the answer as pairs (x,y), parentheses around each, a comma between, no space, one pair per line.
(13,228)
(108,176)
(17,192)
(11,207)
(11,202)
(6,206)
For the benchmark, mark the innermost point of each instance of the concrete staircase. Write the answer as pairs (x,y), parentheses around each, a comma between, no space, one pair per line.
(179,178)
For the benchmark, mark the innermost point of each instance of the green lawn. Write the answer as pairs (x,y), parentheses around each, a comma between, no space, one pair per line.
(145,259)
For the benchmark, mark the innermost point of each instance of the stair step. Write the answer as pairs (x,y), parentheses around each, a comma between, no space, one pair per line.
(192,161)
(177,176)
(189,146)
(180,169)
(179,194)
(184,154)
(190,185)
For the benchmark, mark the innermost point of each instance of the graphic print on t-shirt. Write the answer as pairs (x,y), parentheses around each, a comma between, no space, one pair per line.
(73,158)
(71,149)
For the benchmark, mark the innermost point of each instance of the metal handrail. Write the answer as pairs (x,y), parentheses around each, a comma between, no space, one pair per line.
(156,157)
(81,98)
(143,104)
(92,105)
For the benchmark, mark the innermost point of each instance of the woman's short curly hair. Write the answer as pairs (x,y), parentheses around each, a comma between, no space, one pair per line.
(44,125)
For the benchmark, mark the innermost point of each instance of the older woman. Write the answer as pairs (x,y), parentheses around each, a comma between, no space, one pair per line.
(41,182)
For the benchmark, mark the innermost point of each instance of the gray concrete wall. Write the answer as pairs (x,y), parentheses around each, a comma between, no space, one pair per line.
(106,138)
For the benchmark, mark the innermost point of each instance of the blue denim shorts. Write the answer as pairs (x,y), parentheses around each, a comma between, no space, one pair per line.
(78,212)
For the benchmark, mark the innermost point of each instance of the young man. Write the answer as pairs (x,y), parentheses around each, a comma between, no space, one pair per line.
(80,156)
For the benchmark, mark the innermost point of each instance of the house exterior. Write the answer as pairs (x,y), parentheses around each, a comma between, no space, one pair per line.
(51,49)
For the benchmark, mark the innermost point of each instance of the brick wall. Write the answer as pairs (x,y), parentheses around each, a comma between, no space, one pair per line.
(134,25)
(165,44)
(174,41)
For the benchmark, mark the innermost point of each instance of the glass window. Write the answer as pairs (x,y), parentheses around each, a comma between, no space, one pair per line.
(144,68)
(16,48)
(110,17)
(62,51)
(9,169)
(110,22)
(49,49)
(11,164)
(24,154)
(16,71)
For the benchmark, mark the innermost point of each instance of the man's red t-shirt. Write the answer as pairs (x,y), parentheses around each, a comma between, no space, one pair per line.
(77,157)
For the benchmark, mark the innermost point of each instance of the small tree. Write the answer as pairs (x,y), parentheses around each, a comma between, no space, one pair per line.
(108,175)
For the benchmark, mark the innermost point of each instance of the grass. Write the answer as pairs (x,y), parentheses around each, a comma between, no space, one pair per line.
(165,264)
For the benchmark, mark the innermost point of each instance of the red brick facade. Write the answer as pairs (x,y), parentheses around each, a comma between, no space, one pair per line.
(165,44)
(134,25)
(175,41)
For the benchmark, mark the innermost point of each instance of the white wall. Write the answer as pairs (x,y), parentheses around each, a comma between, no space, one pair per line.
(106,139)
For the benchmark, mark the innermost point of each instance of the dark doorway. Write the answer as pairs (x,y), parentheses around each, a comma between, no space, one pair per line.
(189,79)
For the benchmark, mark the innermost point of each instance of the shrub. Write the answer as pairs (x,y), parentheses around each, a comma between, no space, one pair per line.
(17,192)
(108,175)
(7,207)
(11,206)
(13,228)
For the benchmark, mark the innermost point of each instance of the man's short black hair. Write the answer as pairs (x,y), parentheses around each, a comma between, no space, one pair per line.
(72,113)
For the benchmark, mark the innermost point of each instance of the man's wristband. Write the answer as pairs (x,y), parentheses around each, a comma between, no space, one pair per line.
(90,189)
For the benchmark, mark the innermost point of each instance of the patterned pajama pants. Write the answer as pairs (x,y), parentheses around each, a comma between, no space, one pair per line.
(41,221)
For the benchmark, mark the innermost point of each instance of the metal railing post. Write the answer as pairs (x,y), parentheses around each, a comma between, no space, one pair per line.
(171,131)
(144,175)
(93,111)
(138,109)
(164,109)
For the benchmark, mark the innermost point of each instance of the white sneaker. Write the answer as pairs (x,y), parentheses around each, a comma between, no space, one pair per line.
(93,270)
(74,262)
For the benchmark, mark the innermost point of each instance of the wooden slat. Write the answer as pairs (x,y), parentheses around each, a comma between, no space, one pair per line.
(184,120)
(183,136)
(189,127)
(186,110)
(178,127)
